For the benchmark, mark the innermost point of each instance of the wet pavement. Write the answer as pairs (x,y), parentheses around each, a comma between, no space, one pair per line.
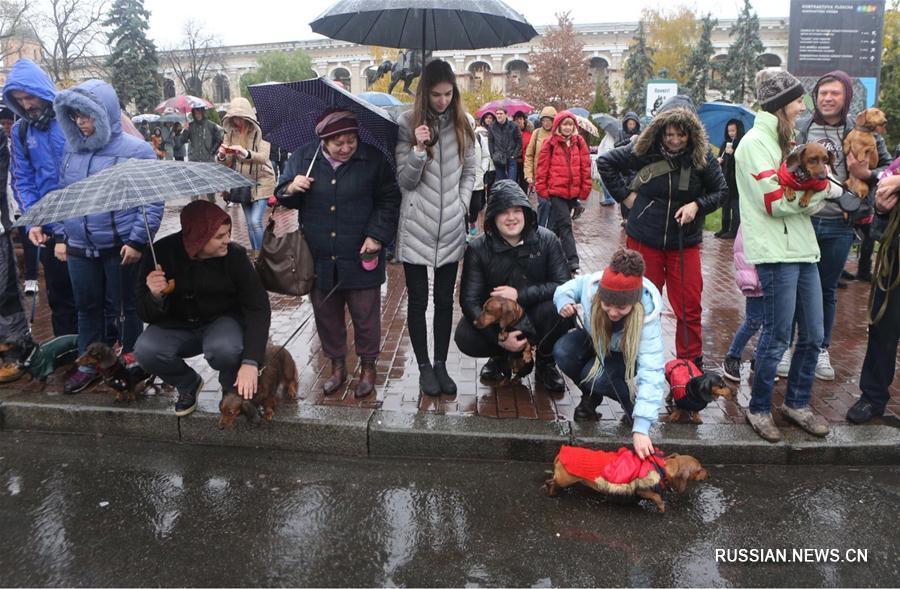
(86,511)
(598,234)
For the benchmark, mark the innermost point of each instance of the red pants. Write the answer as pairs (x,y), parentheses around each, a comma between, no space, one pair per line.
(663,268)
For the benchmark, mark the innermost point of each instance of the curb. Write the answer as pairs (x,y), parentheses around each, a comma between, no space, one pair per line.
(368,432)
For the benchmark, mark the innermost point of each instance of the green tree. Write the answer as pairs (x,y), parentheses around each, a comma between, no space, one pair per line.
(638,70)
(133,62)
(742,61)
(558,72)
(279,67)
(697,71)
(671,34)
(480,95)
(889,100)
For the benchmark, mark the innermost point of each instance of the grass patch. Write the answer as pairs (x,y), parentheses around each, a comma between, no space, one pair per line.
(713,221)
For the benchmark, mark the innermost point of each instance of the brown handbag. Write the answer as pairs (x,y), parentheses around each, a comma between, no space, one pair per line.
(285,264)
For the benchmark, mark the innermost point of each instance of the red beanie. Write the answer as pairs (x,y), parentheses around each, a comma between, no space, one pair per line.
(622,282)
(199,222)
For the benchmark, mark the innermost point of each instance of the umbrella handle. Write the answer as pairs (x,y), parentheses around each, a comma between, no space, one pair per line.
(149,237)
(313,162)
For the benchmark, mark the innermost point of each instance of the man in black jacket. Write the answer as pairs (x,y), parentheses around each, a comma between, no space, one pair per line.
(204,297)
(516,259)
(505,143)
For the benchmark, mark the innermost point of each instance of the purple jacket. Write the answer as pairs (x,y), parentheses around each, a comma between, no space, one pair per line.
(744,272)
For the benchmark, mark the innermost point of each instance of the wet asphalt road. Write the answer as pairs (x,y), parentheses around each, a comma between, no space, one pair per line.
(78,511)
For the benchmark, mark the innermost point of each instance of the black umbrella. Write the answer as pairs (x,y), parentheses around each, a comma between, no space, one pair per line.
(425,24)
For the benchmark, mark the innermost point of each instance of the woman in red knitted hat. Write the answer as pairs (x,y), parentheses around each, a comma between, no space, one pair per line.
(618,353)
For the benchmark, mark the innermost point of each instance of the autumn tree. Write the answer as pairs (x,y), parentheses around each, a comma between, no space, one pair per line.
(479,95)
(889,86)
(278,67)
(671,35)
(604,101)
(697,72)
(559,74)
(742,61)
(638,70)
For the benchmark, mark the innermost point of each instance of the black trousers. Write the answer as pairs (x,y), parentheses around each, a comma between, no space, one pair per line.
(59,292)
(880,363)
(731,215)
(417,302)
(864,268)
(561,225)
(475,205)
(480,343)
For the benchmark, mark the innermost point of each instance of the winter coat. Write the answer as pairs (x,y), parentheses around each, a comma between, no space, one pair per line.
(535,268)
(156,143)
(775,230)
(6,212)
(625,135)
(482,160)
(526,139)
(652,218)
(258,167)
(745,274)
(359,199)
(650,378)
(727,163)
(35,164)
(505,141)
(206,290)
(436,194)
(177,148)
(564,168)
(482,134)
(101,233)
(204,138)
(533,147)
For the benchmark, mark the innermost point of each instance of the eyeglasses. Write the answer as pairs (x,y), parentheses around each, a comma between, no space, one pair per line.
(75,115)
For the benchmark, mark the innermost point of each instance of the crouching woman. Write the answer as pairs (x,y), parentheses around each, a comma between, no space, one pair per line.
(619,352)
(204,297)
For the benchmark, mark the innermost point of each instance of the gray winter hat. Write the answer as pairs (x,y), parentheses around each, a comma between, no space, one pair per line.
(776,89)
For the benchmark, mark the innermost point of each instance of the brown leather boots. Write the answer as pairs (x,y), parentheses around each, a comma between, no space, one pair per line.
(366,384)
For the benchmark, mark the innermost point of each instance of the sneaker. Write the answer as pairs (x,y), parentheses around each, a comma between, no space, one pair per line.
(805,418)
(764,425)
(31,287)
(11,371)
(731,368)
(577,211)
(784,367)
(79,381)
(824,371)
(187,401)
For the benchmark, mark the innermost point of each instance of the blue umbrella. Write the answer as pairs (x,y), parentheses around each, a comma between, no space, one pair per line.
(379,98)
(289,110)
(578,111)
(715,115)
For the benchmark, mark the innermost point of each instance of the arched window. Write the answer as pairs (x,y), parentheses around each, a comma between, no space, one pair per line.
(168,88)
(221,89)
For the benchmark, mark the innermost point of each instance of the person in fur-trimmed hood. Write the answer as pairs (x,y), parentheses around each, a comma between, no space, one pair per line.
(667,209)
(101,250)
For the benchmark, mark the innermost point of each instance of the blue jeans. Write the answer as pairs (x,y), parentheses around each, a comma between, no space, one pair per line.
(254,213)
(753,319)
(507,172)
(835,237)
(102,287)
(543,211)
(574,355)
(788,288)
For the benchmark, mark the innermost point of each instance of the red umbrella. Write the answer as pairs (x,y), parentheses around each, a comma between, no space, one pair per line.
(183,103)
(512,106)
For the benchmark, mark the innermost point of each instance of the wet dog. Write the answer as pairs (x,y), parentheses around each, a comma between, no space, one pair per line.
(699,392)
(808,167)
(603,472)
(125,378)
(506,313)
(861,143)
(279,379)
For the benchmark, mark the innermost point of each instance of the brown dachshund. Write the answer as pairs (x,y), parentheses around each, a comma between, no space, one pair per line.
(807,163)
(124,378)
(679,470)
(505,313)
(279,377)
(861,143)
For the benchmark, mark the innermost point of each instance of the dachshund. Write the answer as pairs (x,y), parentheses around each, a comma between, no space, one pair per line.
(505,313)
(122,376)
(278,377)
(807,168)
(861,143)
(699,392)
(650,478)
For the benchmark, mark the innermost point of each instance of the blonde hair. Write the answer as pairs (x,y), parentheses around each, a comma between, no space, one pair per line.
(601,329)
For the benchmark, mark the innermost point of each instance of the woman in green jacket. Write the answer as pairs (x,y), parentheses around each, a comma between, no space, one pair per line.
(779,240)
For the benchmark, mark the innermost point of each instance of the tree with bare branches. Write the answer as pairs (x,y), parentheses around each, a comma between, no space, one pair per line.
(12,19)
(70,31)
(196,60)
(559,74)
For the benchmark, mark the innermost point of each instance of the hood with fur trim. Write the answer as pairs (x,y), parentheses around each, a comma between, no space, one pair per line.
(652,135)
(97,99)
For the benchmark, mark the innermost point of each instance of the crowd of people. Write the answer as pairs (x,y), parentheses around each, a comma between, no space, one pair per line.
(601,329)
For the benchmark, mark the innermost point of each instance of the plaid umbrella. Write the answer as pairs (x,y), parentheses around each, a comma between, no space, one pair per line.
(288,113)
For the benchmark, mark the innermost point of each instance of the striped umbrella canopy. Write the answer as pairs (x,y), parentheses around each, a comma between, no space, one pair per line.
(289,111)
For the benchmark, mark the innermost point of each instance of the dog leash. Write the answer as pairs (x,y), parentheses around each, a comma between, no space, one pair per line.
(683,303)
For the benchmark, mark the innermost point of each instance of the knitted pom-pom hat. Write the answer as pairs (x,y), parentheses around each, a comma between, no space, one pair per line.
(622,282)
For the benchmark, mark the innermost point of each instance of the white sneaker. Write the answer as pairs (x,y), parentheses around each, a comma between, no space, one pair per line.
(31,287)
(824,371)
(784,367)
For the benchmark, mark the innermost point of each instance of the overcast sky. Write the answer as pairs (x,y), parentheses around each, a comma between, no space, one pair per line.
(238,22)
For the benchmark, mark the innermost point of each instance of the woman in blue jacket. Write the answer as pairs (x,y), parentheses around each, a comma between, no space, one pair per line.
(102,249)
(619,352)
